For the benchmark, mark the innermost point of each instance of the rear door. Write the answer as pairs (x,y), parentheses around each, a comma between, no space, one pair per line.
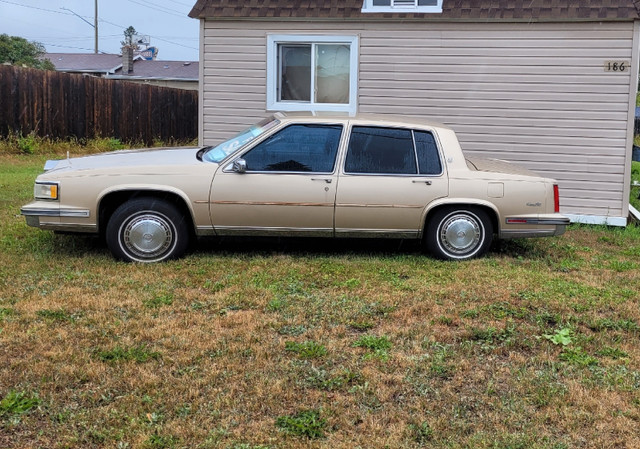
(388,177)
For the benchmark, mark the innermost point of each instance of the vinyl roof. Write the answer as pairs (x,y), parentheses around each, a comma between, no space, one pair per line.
(453,10)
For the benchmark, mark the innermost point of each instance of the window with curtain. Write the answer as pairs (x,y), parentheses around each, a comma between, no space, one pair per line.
(312,73)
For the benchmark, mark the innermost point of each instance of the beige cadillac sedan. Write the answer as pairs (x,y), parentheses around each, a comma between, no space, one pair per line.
(299,175)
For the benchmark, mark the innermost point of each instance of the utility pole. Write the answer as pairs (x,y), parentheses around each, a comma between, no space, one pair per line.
(94,24)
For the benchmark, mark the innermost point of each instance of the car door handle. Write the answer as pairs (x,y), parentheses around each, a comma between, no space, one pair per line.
(426,181)
(327,180)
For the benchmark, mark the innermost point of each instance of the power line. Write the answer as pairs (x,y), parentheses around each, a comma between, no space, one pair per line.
(159,10)
(147,2)
(35,7)
(150,35)
(69,46)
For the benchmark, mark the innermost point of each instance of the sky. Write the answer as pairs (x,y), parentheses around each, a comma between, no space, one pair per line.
(165,22)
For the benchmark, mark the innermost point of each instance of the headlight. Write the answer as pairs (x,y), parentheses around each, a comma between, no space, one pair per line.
(46,191)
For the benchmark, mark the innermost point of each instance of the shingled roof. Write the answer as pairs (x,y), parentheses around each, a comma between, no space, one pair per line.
(452,10)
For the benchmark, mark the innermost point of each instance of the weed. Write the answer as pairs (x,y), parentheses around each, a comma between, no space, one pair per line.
(56,315)
(491,335)
(293,330)
(613,353)
(6,312)
(421,433)
(306,350)
(577,356)
(18,403)
(324,380)
(378,346)
(560,337)
(27,144)
(306,423)
(247,446)
(361,326)
(138,354)
(157,441)
(609,324)
(159,301)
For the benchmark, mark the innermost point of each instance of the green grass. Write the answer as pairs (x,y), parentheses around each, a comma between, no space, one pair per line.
(254,344)
(634,195)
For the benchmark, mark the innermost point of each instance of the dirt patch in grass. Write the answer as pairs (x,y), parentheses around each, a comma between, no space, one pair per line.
(299,343)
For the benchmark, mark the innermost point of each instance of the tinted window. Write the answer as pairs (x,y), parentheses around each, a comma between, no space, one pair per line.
(380,150)
(297,148)
(428,158)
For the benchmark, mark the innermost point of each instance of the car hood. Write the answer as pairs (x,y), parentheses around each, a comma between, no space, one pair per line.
(497,166)
(148,157)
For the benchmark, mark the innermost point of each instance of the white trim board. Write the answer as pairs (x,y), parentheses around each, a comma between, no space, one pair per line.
(597,220)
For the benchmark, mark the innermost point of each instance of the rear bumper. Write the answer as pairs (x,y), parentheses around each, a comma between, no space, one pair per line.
(534,226)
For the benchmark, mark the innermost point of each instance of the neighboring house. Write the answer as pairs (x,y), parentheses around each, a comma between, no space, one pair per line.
(86,63)
(548,84)
(176,74)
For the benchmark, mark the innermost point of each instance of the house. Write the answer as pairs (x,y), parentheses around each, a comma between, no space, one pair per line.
(99,64)
(549,84)
(137,68)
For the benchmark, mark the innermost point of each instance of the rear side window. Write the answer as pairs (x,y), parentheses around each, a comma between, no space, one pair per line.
(297,148)
(380,150)
(427,151)
(376,150)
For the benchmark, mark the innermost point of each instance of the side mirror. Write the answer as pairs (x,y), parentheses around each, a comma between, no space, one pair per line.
(239,166)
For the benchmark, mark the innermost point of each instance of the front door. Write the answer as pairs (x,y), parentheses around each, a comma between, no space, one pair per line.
(288,186)
(389,177)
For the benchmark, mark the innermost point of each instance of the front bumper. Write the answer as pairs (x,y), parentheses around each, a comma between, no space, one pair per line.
(50,216)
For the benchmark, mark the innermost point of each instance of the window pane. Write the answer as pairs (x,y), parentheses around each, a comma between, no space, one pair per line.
(428,158)
(381,2)
(380,150)
(297,148)
(427,2)
(295,72)
(332,73)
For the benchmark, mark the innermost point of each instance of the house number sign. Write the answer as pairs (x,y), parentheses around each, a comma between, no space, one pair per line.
(616,66)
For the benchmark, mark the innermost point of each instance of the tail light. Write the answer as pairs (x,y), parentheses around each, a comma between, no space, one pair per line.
(556,199)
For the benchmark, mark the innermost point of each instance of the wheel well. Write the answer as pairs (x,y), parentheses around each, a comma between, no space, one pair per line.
(490,213)
(112,201)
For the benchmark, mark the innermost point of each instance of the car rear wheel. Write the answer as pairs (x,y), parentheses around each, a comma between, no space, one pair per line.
(459,234)
(147,230)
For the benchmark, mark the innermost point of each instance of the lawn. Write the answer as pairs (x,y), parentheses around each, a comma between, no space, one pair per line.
(248,344)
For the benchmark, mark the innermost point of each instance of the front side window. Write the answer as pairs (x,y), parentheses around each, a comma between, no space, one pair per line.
(376,150)
(297,148)
(312,73)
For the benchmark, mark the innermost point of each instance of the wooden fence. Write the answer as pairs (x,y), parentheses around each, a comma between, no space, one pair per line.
(61,105)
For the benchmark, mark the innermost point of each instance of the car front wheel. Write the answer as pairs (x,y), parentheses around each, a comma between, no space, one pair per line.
(459,234)
(147,230)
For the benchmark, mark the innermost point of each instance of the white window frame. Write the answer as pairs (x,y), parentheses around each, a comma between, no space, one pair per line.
(403,6)
(274,40)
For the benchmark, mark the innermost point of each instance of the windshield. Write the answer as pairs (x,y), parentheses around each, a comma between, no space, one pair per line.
(218,153)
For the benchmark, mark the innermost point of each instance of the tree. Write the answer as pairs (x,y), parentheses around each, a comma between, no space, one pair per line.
(19,51)
(130,38)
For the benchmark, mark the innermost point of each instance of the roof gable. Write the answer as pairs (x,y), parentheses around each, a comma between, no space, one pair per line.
(452,10)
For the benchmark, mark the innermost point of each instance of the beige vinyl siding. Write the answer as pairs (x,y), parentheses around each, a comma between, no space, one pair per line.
(535,94)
